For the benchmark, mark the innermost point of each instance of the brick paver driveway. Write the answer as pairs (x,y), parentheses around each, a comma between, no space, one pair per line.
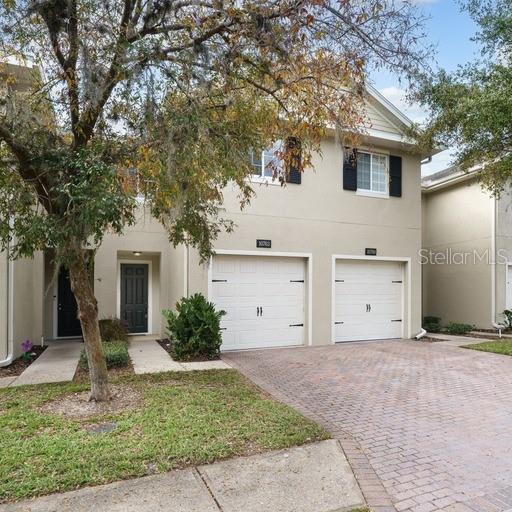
(429,422)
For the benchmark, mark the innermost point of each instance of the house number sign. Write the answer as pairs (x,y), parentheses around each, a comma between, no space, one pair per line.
(264,244)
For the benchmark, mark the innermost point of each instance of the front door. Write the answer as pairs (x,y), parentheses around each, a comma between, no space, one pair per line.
(134,296)
(68,324)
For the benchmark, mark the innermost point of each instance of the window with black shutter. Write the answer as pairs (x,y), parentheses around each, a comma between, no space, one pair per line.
(294,172)
(350,169)
(395,176)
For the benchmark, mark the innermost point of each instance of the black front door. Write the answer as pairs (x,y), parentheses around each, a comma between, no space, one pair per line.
(134,296)
(68,324)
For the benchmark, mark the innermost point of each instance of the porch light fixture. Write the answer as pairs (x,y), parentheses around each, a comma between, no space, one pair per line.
(137,253)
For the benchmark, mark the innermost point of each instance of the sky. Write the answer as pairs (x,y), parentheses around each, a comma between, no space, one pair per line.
(450,31)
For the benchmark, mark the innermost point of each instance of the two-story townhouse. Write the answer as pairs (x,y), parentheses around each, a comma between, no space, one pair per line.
(330,257)
(467,241)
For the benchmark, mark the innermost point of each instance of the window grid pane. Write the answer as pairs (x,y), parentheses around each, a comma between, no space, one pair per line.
(363,171)
(372,172)
(378,173)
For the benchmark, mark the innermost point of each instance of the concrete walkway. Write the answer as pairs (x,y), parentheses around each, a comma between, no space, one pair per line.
(149,357)
(57,363)
(311,478)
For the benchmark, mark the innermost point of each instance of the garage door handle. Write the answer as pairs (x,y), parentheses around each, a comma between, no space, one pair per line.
(397,320)
(219,280)
(338,323)
(296,325)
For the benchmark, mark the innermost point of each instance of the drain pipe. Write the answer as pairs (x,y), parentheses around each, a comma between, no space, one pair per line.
(421,334)
(8,310)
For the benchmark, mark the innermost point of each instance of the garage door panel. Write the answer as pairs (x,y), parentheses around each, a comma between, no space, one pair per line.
(259,282)
(368,300)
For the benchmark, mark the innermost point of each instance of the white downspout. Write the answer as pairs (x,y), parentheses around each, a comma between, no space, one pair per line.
(420,334)
(9,313)
(495,324)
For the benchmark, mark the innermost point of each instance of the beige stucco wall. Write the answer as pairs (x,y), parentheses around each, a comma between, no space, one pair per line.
(458,219)
(503,251)
(317,217)
(321,218)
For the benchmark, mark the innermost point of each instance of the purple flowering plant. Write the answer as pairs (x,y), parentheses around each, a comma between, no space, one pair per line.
(26,347)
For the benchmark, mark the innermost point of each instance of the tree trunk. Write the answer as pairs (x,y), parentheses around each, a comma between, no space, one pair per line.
(88,315)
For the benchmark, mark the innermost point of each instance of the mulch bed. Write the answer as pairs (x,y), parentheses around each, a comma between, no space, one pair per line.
(166,344)
(18,366)
(429,339)
(77,405)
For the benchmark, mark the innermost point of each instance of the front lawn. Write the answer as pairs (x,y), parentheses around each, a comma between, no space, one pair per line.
(180,419)
(503,346)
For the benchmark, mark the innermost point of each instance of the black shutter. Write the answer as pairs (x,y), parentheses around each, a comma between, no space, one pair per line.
(294,173)
(350,169)
(395,176)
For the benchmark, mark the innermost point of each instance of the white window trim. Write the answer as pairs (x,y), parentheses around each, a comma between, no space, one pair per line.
(265,180)
(373,193)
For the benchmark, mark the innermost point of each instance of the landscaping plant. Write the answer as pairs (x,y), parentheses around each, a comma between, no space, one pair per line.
(166,100)
(116,355)
(194,328)
(113,329)
(432,324)
(26,347)
(458,328)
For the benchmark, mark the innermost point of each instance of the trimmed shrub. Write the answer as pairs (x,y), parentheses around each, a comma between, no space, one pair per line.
(432,324)
(116,355)
(194,329)
(113,329)
(456,328)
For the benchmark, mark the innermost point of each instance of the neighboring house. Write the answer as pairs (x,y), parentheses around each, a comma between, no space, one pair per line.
(467,239)
(330,257)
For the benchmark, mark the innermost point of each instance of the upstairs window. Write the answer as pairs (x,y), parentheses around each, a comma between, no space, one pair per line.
(266,163)
(372,172)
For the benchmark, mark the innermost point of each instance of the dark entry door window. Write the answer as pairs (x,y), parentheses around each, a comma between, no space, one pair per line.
(68,324)
(134,296)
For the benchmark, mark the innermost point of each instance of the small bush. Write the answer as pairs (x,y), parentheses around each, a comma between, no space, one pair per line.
(432,324)
(456,328)
(508,318)
(194,329)
(116,355)
(113,329)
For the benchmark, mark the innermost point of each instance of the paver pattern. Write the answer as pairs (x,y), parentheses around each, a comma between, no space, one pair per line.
(426,426)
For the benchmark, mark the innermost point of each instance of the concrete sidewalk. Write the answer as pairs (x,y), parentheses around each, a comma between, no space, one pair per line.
(311,478)
(149,357)
(57,363)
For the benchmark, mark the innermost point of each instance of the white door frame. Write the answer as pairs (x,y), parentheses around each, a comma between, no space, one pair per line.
(302,255)
(149,263)
(406,271)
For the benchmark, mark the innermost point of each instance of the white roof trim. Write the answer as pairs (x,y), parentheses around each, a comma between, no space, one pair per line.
(377,96)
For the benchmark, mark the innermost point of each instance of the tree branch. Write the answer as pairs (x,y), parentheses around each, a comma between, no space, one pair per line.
(26,169)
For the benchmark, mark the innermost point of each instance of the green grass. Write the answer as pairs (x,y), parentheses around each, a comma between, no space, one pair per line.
(185,419)
(503,346)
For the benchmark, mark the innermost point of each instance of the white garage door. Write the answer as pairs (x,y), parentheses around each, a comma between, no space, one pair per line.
(263,298)
(368,300)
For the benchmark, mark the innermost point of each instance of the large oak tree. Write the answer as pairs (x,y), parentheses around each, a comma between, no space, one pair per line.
(166,98)
(470,110)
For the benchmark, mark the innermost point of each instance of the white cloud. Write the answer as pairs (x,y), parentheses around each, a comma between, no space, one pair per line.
(398,97)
